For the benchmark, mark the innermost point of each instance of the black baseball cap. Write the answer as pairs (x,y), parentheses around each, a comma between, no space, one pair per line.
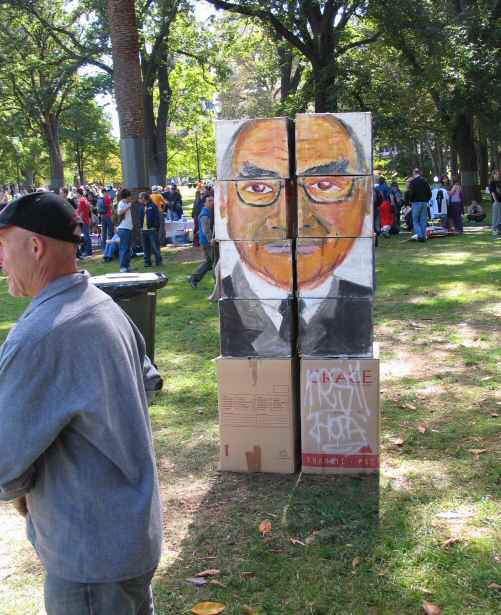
(44,213)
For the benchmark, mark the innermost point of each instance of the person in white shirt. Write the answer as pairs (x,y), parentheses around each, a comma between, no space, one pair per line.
(124,228)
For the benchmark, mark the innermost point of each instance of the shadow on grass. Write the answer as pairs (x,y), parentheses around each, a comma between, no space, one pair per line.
(334,520)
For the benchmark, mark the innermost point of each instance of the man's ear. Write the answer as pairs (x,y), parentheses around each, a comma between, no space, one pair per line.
(38,247)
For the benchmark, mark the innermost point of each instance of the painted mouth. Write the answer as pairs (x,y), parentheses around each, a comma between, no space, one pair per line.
(277,248)
(308,248)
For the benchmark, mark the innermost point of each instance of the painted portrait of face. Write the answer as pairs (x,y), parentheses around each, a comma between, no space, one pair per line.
(255,204)
(332,201)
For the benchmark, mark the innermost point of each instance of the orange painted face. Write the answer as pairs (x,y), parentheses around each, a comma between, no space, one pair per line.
(256,204)
(331,204)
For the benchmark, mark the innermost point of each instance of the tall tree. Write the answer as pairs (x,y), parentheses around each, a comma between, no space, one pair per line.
(317,29)
(128,86)
(36,76)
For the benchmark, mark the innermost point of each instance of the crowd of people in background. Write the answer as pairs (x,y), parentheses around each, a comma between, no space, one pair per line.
(443,204)
(108,218)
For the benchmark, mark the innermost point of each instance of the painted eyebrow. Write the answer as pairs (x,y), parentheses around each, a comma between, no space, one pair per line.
(250,171)
(337,166)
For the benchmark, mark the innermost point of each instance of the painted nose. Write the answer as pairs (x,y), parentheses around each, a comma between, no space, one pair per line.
(277,220)
(308,224)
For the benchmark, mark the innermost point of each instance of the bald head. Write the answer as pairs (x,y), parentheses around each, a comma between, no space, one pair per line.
(32,261)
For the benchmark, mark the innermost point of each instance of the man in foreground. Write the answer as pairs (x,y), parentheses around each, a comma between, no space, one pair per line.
(76,452)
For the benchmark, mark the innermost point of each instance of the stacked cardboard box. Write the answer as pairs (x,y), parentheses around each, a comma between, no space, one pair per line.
(253,224)
(293,215)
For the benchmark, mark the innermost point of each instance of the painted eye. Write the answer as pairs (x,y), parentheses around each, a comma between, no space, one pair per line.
(325,186)
(259,188)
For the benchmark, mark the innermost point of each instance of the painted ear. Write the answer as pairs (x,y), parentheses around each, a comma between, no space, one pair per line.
(221,198)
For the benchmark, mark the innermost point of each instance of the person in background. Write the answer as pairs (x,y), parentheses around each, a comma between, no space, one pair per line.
(177,202)
(124,228)
(397,202)
(106,212)
(149,219)
(475,212)
(161,203)
(386,217)
(495,192)
(205,234)
(195,212)
(85,212)
(419,196)
(455,209)
(383,187)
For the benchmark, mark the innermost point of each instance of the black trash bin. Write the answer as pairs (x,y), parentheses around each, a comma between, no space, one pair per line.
(136,294)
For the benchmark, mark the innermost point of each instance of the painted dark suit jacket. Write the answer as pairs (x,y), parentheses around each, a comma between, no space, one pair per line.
(339,326)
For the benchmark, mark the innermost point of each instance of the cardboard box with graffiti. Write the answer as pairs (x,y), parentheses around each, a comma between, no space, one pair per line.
(339,416)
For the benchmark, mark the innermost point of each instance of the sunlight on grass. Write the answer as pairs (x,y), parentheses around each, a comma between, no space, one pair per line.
(437,319)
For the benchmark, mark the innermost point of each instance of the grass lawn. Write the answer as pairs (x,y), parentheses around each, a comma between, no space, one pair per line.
(427,530)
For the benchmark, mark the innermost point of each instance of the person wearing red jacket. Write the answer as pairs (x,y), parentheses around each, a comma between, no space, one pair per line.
(387,217)
(84,211)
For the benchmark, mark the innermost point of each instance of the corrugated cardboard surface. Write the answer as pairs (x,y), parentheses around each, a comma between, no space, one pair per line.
(339,415)
(257,415)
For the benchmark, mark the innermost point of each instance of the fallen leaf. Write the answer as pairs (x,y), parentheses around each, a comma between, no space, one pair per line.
(199,581)
(397,441)
(208,608)
(431,609)
(485,378)
(494,586)
(311,538)
(449,542)
(211,572)
(409,406)
(355,562)
(217,583)
(422,428)
(476,452)
(265,527)
(454,514)
(248,574)
(426,592)
(497,559)
(295,541)
(248,610)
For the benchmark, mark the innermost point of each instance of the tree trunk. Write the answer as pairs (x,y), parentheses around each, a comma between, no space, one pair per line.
(128,86)
(454,158)
(50,130)
(156,131)
(324,83)
(463,133)
(482,157)
(494,155)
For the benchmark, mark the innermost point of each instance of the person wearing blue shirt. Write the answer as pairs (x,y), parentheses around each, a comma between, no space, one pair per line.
(76,448)
(205,225)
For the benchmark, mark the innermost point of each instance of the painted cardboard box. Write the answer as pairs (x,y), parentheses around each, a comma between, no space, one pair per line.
(255,209)
(335,266)
(335,206)
(335,327)
(334,144)
(339,416)
(253,149)
(257,415)
(256,269)
(257,327)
